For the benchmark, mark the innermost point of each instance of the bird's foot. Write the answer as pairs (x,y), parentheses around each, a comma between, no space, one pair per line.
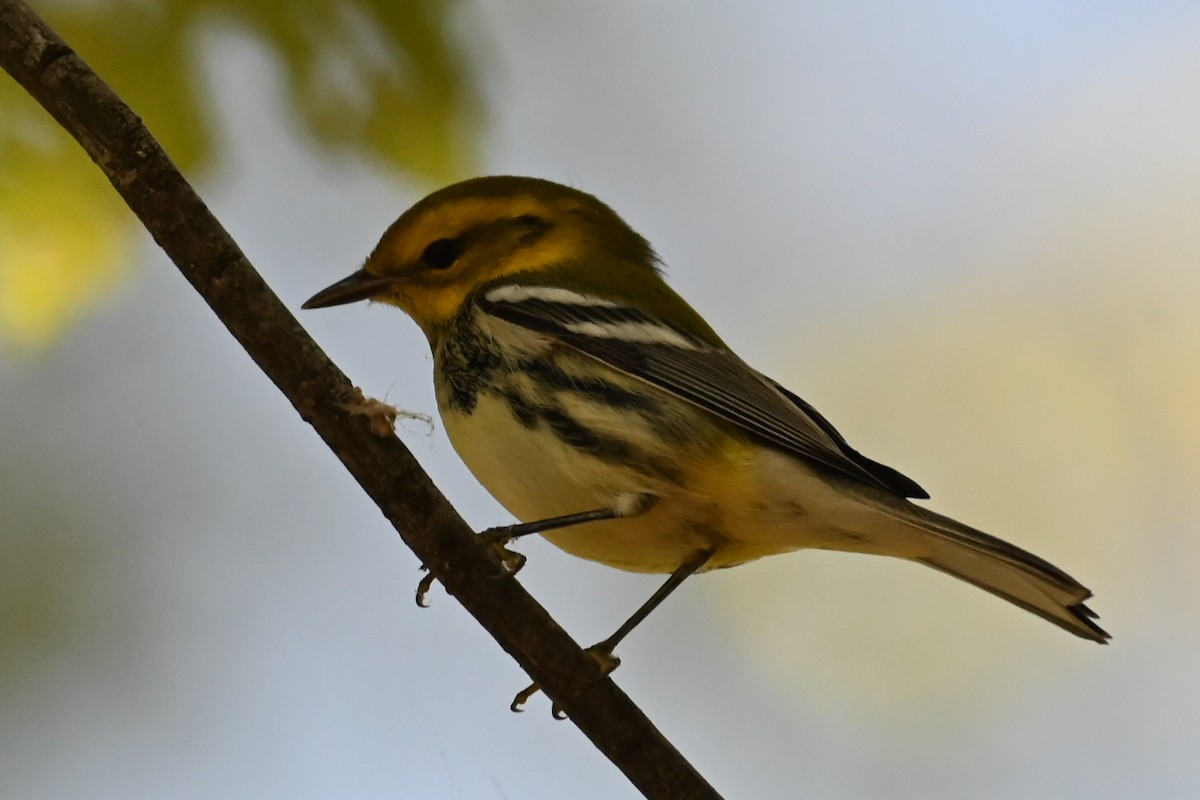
(495,539)
(601,653)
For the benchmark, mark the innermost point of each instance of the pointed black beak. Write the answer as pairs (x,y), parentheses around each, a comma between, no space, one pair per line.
(361,285)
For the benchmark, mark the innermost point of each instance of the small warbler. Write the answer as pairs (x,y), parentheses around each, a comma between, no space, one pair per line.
(598,407)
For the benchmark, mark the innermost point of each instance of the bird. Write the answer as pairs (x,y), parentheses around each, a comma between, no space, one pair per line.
(601,410)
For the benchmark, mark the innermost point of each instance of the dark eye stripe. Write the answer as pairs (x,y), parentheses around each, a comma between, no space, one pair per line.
(441,254)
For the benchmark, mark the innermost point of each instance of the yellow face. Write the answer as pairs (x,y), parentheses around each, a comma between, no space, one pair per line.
(473,232)
(438,254)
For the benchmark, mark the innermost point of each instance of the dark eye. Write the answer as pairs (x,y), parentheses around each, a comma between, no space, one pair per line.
(441,254)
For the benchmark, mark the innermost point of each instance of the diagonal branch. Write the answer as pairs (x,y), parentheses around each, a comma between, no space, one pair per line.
(144,176)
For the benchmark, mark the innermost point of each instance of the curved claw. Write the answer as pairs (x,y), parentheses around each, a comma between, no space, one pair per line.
(529,691)
(497,539)
(423,588)
(523,697)
(601,653)
(512,560)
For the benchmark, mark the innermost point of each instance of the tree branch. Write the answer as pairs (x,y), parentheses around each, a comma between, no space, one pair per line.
(199,246)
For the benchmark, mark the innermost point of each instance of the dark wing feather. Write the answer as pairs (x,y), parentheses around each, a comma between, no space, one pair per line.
(895,480)
(710,377)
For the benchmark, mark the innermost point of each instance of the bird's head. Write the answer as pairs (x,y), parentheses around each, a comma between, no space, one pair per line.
(472,233)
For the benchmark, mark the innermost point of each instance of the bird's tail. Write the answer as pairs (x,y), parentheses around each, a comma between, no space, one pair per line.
(991,564)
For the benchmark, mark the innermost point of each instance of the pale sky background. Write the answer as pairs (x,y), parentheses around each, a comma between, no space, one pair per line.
(968,233)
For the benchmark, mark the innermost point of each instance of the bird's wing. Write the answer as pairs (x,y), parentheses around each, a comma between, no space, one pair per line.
(688,366)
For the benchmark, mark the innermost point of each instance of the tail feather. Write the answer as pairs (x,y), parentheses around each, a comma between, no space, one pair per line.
(998,567)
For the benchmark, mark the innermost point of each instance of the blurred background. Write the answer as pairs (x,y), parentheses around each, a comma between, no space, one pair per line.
(966,232)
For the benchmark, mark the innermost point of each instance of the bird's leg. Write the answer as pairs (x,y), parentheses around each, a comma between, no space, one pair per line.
(497,538)
(602,651)
(629,505)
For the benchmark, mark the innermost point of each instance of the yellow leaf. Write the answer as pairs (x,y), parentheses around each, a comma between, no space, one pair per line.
(65,240)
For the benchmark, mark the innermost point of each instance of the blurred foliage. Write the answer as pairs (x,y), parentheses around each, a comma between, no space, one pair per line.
(377,78)
(65,238)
